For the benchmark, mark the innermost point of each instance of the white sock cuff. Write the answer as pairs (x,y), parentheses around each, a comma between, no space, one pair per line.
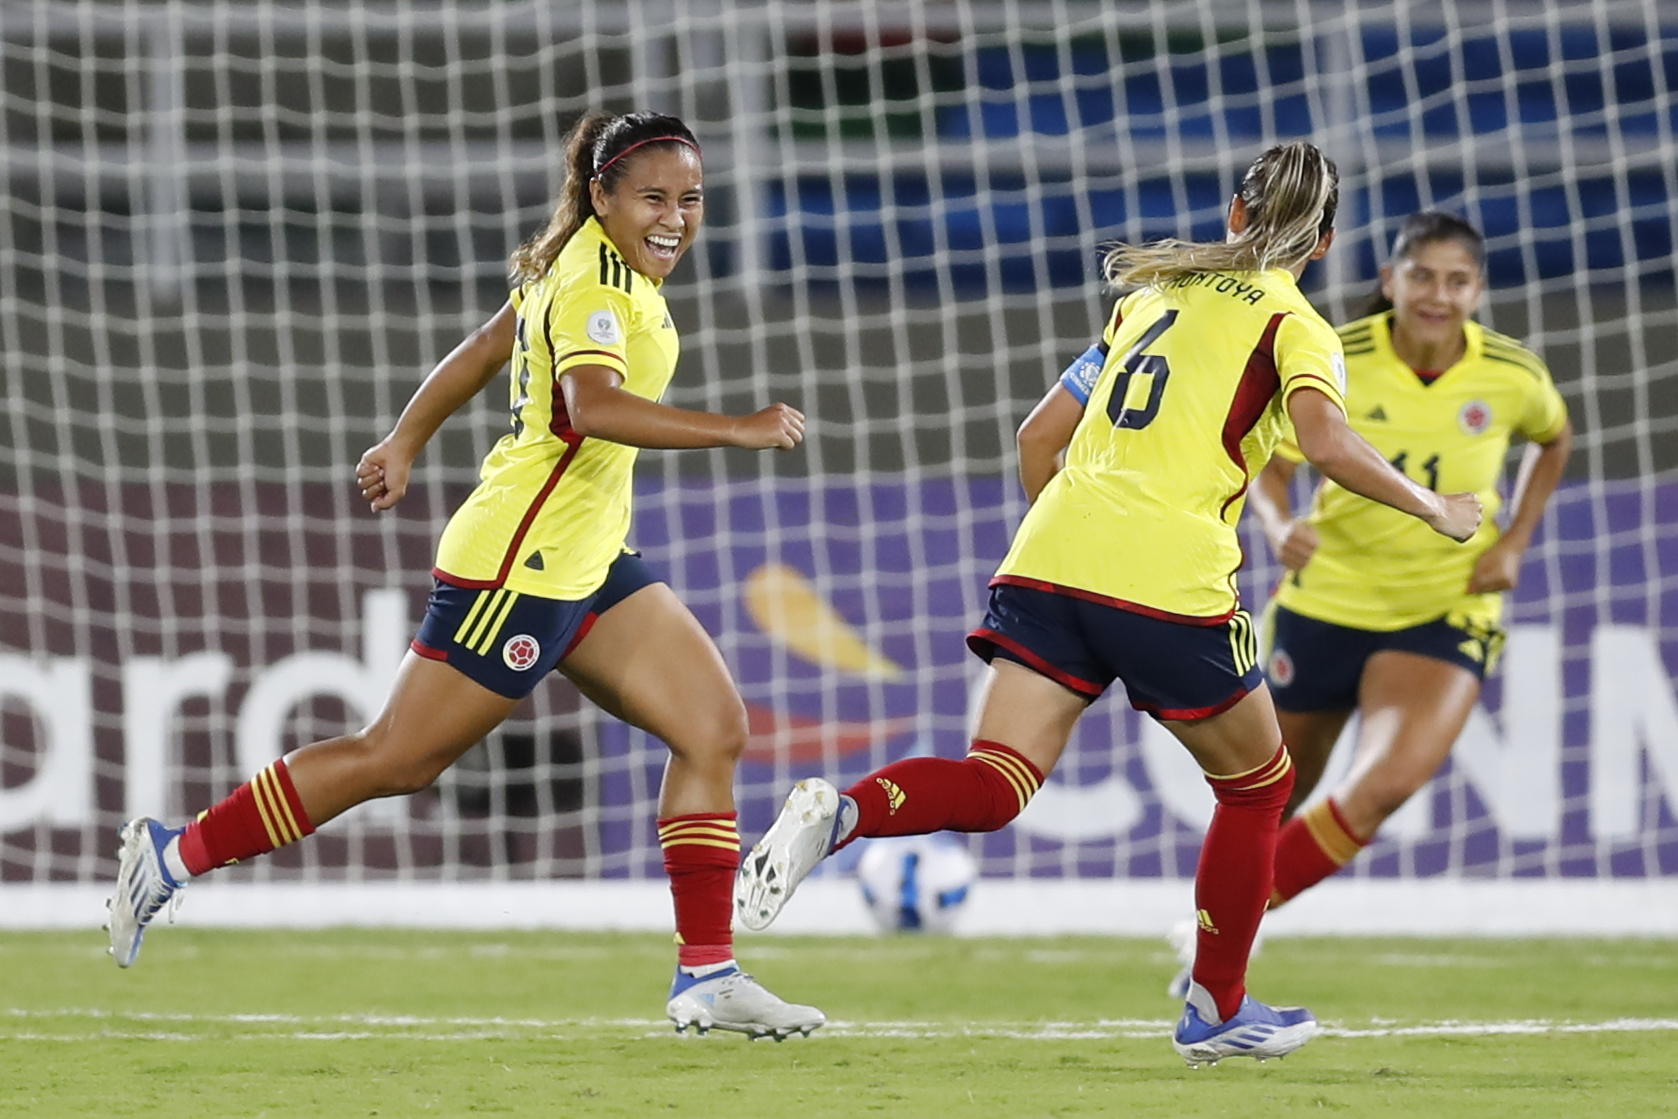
(1204,1004)
(173,861)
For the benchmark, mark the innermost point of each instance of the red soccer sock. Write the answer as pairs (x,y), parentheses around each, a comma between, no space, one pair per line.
(1310,847)
(916,796)
(259,816)
(1232,884)
(701,854)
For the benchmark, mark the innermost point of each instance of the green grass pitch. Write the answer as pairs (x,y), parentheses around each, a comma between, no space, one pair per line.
(363,1023)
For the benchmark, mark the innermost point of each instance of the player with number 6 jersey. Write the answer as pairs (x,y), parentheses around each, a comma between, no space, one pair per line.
(1123,571)
(1176,421)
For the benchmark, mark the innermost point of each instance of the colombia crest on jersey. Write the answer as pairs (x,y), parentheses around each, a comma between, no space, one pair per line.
(1184,403)
(552,510)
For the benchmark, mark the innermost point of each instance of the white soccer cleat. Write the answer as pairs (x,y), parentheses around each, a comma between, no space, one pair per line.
(801,836)
(144,886)
(733,1000)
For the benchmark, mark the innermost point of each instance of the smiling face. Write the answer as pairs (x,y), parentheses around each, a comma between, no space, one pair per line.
(654,212)
(1435,288)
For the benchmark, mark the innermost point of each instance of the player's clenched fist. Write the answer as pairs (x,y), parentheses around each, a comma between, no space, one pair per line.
(779,427)
(1459,516)
(382,475)
(1297,547)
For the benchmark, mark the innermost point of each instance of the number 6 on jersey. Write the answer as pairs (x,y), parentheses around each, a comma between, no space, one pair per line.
(1137,363)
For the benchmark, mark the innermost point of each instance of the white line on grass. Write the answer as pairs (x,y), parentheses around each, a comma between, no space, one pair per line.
(118,1025)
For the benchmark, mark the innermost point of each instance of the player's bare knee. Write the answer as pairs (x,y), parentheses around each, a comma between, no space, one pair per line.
(714,737)
(412,775)
(386,769)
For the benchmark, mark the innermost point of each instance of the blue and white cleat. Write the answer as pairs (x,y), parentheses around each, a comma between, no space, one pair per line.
(1255,1030)
(801,837)
(733,1000)
(144,886)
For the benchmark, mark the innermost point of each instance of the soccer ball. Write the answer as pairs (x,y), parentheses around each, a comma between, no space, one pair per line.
(916,883)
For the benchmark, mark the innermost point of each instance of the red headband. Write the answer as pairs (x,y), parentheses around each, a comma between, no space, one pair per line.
(601,170)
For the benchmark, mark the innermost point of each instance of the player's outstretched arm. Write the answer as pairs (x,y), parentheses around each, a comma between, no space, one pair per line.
(1293,539)
(1044,435)
(600,408)
(1499,567)
(383,471)
(1345,457)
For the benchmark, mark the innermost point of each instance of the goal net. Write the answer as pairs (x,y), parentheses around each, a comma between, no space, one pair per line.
(234,238)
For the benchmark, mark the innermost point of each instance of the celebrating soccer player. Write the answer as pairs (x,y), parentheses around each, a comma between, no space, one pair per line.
(1376,614)
(1124,568)
(532,572)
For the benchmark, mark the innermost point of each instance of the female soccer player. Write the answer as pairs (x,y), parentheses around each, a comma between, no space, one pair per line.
(532,572)
(1374,614)
(1124,568)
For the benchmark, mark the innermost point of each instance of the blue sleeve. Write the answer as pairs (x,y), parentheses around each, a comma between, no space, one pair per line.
(1081,375)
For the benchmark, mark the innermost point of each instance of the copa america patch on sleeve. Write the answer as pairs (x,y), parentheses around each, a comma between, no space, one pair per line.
(603,328)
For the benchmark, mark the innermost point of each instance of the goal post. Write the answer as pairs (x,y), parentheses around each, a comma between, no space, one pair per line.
(235,237)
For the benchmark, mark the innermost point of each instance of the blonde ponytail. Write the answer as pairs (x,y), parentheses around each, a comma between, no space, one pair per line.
(1291,193)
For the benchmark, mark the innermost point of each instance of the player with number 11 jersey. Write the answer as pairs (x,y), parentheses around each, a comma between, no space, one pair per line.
(1375,568)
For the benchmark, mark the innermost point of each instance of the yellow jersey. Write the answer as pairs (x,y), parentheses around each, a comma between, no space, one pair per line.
(1187,405)
(1376,568)
(552,510)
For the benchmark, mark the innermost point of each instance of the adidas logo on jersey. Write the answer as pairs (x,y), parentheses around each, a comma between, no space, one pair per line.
(535,562)
(1377,413)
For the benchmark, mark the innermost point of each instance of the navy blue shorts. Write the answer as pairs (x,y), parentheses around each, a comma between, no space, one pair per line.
(508,641)
(1171,669)
(1317,666)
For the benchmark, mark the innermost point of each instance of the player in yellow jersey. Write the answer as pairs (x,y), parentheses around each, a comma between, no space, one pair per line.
(532,572)
(1123,570)
(1376,614)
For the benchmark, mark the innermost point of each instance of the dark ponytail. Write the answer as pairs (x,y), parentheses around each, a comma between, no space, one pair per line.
(595,149)
(1427,227)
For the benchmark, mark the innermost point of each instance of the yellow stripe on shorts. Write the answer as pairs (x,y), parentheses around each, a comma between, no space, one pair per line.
(485,616)
(1243,642)
(471,616)
(494,631)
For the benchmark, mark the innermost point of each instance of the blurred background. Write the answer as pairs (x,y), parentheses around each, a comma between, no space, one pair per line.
(234,237)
